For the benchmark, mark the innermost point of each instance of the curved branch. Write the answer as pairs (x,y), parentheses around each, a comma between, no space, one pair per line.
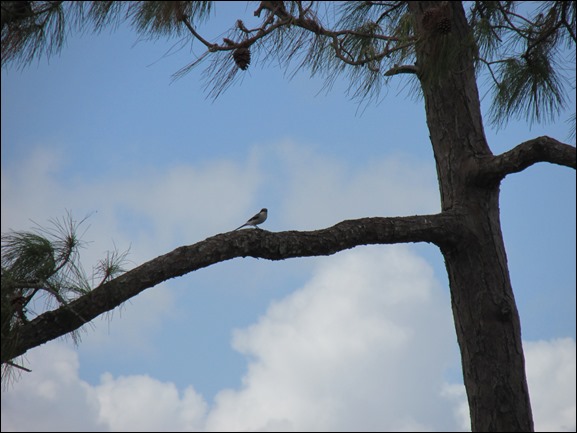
(442,229)
(186,21)
(540,149)
(402,69)
(285,19)
(266,28)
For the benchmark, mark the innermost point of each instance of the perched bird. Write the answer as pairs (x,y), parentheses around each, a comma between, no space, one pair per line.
(259,218)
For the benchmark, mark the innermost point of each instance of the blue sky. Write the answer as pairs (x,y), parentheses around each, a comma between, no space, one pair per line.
(249,344)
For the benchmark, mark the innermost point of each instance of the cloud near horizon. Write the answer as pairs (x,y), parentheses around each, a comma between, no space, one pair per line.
(362,346)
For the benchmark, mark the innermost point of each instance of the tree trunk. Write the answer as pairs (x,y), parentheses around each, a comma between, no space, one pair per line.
(486,317)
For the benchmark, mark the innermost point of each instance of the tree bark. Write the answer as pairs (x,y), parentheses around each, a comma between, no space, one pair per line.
(440,229)
(486,317)
(540,149)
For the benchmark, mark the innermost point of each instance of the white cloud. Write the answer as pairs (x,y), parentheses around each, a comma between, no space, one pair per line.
(141,403)
(152,211)
(330,191)
(363,346)
(149,212)
(551,377)
(133,327)
(457,394)
(186,203)
(30,191)
(52,397)
(149,209)
(550,367)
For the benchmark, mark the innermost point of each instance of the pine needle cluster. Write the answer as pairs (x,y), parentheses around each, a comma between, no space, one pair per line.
(518,44)
(41,270)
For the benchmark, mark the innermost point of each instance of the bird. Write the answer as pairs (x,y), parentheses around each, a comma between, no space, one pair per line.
(259,218)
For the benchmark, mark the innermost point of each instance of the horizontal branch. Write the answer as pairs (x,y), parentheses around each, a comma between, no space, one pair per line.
(440,229)
(540,149)
(402,69)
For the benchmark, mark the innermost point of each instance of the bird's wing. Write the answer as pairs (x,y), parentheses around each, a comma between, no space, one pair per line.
(254,218)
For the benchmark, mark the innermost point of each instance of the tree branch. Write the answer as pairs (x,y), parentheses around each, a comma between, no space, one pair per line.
(229,45)
(186,21)
(441,229)
(540,149)
(337,37)
(402,69)
(12,364)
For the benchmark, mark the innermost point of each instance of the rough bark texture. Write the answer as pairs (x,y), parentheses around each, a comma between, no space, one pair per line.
(486,317)
(540,149)
(439,229)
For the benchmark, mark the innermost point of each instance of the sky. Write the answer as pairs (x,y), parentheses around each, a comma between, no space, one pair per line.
(362,340)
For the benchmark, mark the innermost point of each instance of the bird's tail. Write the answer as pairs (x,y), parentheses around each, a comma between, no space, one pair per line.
(239,227)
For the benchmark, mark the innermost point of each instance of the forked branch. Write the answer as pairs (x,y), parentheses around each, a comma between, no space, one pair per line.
(277,16)
(540,149)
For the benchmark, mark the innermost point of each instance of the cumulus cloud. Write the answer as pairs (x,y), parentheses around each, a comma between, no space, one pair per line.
(52,397)
(141,403)
(362,346)
(551,377)
(154,210)
(330,191)
(148,213)
(148,209)
(550,367)
(32,191)
(158,208)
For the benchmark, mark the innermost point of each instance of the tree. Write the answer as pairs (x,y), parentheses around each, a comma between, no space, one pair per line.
(443,48)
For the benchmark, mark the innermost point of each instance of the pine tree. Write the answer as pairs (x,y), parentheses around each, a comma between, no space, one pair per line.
(443,49)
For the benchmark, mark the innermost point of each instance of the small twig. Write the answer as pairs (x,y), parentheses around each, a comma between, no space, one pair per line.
(338,36)
(567,25)
(357,33)
(542,38)
(386,13)
(211,47)
(488,64)
(377,57)
(13,364)
(505,15)
(531,23)
(231,45)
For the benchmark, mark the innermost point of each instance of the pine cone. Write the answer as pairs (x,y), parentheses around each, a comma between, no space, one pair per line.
(437,19)
(444,26)
(241,57)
